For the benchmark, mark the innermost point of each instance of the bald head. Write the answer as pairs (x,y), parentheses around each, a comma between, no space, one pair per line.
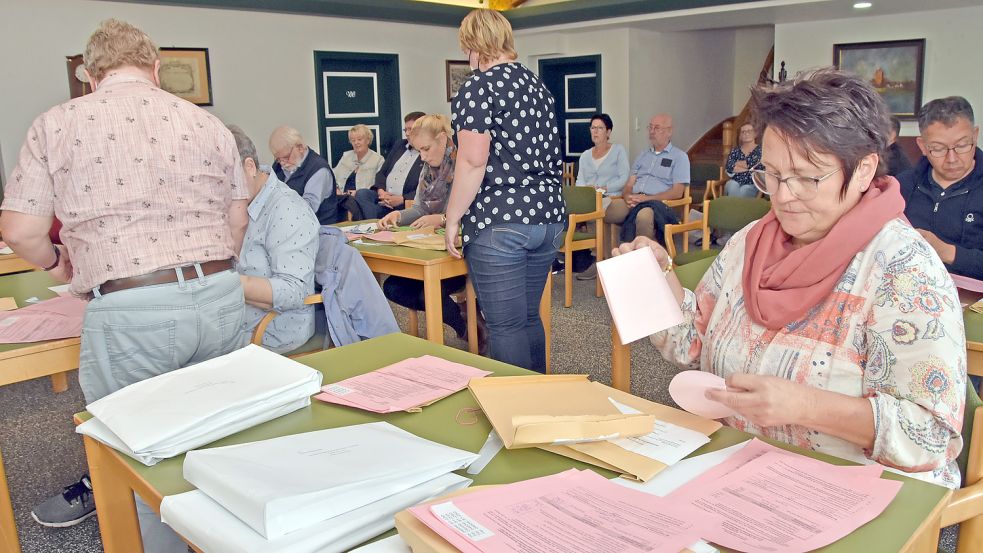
(660,131)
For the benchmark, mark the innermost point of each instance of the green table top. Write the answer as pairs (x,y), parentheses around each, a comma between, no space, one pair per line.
(21,286)
(437,422)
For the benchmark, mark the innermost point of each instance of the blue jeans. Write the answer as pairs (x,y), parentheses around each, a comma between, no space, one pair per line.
(136,334)
(368,202)
(509,264)
(734,188)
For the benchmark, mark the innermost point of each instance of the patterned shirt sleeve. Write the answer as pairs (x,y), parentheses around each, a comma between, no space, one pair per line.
(31,187)
(291,243)
(732,159)
(473,106)
(683,343)
(915,377)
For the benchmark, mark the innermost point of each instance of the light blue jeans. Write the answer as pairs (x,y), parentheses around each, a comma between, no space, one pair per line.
(734,188)
(509,264)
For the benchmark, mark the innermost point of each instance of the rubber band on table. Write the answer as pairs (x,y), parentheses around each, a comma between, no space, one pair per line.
(467,416)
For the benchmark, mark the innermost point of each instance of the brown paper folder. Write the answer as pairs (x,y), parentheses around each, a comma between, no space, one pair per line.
(531,411)
(632,465)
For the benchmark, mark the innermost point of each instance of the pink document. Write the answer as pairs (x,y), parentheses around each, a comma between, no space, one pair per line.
(404,385)
(688,390)
(967,283)
(53,319)
(570,512)
(638,295)
(773,500)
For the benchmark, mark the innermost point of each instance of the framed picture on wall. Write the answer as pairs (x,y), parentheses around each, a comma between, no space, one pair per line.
(895,68)
(457,73)
(185,72)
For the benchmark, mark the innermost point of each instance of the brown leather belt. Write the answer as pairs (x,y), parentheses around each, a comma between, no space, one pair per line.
(164,276)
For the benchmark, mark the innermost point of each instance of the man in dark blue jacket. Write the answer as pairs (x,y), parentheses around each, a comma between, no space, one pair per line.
(944,190)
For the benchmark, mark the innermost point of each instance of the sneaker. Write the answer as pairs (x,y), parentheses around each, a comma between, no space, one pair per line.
(73,505)
(589,274)
(557,267)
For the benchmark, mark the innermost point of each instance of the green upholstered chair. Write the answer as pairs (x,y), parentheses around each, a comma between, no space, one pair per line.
(725,214)
(966,506)
(583,206)
(689,275)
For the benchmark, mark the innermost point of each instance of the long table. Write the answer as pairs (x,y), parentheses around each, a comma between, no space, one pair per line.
(910,523)
(54,358)
(13,263)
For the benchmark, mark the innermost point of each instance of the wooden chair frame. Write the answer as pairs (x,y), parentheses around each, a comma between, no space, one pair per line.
(685,228)
(569,173)
(683,204)
(570,245)
(260,329)
(966,506)
(8,530)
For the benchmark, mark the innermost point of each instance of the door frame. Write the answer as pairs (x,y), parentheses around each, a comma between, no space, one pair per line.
(396,127)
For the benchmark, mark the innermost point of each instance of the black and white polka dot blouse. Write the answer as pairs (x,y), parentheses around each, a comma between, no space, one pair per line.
(523,178)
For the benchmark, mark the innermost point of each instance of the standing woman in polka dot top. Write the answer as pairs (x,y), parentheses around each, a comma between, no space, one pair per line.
(507,188)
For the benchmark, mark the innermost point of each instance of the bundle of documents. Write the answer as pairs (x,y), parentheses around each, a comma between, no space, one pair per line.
(319,491)
(427,238)
(573,511)
(170,414)
(52,319)
(590,422)
(404,386)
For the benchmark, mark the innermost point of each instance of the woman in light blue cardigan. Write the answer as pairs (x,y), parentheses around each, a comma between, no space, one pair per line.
(605,166)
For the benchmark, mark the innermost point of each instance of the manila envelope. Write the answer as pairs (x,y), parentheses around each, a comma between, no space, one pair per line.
(532,411)
(630,464)
(425,238)
(421,539)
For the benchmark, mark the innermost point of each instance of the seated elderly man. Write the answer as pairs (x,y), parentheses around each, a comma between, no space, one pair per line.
(305,172)
(276,265)
(944,190)
(659,173)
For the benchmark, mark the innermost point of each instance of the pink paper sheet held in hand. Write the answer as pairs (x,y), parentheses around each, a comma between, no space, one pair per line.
(688,390)
(638,295)
(404,385)
(52,319)
(570,512)
(776,501)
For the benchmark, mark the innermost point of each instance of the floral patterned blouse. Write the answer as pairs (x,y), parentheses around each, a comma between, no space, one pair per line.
(891,331)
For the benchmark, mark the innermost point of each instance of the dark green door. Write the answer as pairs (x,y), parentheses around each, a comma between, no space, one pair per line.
(355,88)
(576,86)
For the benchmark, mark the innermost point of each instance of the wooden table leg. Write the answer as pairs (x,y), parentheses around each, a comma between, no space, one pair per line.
(413,321)
(117,510)
(432,305)
(546,314)
(59,382)
(620,362)
(472,303)
(8,530)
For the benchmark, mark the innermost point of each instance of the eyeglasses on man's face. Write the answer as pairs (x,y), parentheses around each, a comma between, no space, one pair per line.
(658,128)
(940,150)
(803,188)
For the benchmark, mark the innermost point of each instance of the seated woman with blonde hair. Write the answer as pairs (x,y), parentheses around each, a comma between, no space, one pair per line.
(356,169)
(431,136)
(834,323)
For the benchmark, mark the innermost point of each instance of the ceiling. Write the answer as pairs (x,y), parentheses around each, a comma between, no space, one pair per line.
(664,15)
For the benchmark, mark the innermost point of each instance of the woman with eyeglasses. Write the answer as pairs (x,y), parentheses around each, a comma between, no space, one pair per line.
(744,158)
(834,323)
(605,166)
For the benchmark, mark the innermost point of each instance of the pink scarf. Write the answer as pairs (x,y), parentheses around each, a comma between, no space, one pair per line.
(782,283)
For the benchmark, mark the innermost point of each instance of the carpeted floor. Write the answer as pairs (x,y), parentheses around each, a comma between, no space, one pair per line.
(42,454)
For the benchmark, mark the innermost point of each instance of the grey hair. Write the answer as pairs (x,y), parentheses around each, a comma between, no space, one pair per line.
(245,146)
(826,111)
(946,111)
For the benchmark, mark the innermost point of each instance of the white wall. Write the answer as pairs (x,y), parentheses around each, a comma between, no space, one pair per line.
(262,64)
(953,48)
(751,47)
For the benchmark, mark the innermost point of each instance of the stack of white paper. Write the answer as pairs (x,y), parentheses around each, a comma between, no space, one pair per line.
(172,413)
(319,491)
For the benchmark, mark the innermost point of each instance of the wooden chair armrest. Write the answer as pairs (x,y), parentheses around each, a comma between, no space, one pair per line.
(678,202)
(683,227)
(586,217)
(260,329)
(966,503)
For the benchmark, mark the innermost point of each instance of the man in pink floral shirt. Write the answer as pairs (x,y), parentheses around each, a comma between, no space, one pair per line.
(150,191)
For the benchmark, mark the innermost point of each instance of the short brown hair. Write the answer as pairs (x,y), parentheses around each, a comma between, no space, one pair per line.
(826,111)
(118,44)
(488,33)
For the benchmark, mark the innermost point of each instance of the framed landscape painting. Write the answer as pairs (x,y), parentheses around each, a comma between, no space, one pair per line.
(185,72)
(894,68)
(457,73)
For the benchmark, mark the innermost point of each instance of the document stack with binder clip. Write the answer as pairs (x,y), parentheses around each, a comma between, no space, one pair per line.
(170,414)
(320,491)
